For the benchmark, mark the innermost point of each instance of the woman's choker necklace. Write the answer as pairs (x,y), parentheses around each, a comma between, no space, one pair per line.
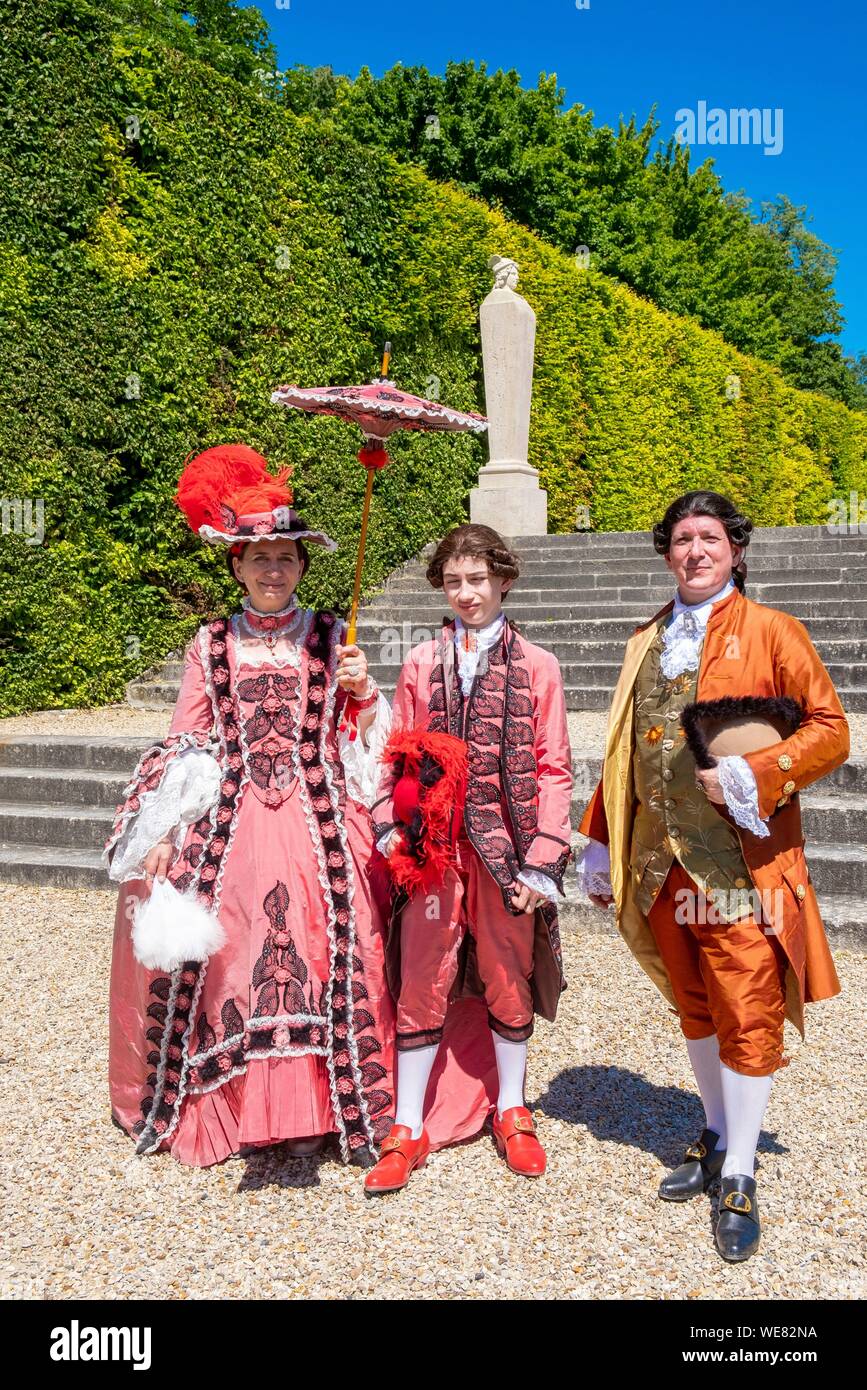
(257,616)
(269,625)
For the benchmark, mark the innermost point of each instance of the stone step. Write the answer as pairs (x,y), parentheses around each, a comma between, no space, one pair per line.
(581,697)
(78,751)
(844,916)
(597,601)
(46,867)
(594,576)
(64,827)
(578,697)
(64,786)
(849,674)
(764,540)
(827,819)
(783,534)
(806,558)
(71,758)
(567,651)
(526,608)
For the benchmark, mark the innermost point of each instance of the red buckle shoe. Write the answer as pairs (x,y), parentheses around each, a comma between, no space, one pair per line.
(515,1136)
(400,1155)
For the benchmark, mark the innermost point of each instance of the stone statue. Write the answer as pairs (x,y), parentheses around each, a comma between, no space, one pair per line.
(508,496)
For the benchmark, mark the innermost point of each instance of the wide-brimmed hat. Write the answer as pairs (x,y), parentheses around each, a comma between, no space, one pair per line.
(229,498)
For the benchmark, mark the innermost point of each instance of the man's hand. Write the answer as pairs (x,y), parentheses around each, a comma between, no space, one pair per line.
(157,861)
(708,779)
(599,901)
(526,899)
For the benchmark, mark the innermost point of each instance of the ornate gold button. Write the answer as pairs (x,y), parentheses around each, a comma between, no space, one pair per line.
(784,801)
(784,762)
(667,774)
(667,744)
(801,891)
(788,788)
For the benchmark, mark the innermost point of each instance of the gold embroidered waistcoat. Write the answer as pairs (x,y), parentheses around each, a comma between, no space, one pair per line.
(674,819)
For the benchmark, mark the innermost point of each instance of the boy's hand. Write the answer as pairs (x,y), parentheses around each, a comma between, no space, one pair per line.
(526,899)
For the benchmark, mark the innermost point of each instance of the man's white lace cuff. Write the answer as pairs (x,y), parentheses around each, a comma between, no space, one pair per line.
(593,868)
(738,783)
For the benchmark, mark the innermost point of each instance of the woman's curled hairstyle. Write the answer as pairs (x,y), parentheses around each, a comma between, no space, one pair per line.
(703,503)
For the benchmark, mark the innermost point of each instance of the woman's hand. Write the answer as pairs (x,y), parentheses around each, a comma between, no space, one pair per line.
(157,861)
(708,780)
(352,669)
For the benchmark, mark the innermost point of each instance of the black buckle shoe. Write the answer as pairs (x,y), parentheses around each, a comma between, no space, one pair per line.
(701,1166)
(737,1230)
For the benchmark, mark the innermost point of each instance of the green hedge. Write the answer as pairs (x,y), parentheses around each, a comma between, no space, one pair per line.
(152,293)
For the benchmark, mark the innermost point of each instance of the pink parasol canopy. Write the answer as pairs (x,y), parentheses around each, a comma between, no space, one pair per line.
(378,409)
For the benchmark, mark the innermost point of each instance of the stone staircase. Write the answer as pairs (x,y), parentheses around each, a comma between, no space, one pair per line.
(580,596)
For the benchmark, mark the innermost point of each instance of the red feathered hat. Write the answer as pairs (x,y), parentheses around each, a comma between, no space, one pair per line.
(228,496)
(431,772)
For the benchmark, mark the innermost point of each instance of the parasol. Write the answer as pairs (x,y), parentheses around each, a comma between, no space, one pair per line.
(378,409)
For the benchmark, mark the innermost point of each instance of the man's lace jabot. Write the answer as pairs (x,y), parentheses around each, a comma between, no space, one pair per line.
(684,635)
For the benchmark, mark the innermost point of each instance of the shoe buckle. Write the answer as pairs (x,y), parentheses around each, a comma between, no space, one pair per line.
(696,1150)
(743,1206)
(390,1144)
(524,1123)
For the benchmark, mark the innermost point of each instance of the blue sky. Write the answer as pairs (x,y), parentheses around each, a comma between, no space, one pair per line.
(625,56)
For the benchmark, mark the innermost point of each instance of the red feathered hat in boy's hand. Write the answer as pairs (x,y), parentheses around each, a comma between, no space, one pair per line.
(431,773)
(229,497)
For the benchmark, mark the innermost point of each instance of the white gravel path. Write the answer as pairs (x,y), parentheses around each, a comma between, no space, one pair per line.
(85,1218)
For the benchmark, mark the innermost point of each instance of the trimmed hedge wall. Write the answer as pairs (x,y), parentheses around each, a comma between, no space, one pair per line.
(175,244)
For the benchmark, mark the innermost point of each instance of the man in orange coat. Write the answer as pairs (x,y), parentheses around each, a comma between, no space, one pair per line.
(706,868)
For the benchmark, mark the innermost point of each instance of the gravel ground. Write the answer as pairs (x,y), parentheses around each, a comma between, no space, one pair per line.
(586,728)
(609,1084)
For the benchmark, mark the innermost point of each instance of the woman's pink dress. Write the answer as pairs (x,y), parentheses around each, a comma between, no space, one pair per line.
(287,1031)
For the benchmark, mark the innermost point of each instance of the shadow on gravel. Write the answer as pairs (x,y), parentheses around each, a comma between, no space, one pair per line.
(624,1106)
(276,1167)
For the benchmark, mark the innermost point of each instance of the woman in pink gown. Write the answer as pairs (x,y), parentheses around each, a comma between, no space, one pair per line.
(259,795)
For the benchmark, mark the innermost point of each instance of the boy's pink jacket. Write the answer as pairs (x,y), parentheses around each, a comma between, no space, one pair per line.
(520,766)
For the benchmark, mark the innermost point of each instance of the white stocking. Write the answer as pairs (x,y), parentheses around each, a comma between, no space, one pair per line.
(704,1056)
(511,1066)
(745,1099)
(413,1074)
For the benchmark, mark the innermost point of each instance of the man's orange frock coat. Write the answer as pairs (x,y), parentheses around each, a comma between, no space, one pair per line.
(748,650)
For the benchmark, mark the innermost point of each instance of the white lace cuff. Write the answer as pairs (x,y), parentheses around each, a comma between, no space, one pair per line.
(593,868)
(738,784)
(384,843)
(360,762)
(190,787)
(540,882)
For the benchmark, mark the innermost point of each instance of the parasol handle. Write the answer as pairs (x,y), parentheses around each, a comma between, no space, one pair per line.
(386,358)
(359,563)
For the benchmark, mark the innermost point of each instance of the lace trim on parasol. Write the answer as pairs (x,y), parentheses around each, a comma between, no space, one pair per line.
(388,409)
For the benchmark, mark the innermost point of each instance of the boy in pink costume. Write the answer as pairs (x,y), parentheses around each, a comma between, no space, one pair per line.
(261,800)
(491,928)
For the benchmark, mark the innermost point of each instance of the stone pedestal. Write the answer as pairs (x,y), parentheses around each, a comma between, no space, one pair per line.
(508,496)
